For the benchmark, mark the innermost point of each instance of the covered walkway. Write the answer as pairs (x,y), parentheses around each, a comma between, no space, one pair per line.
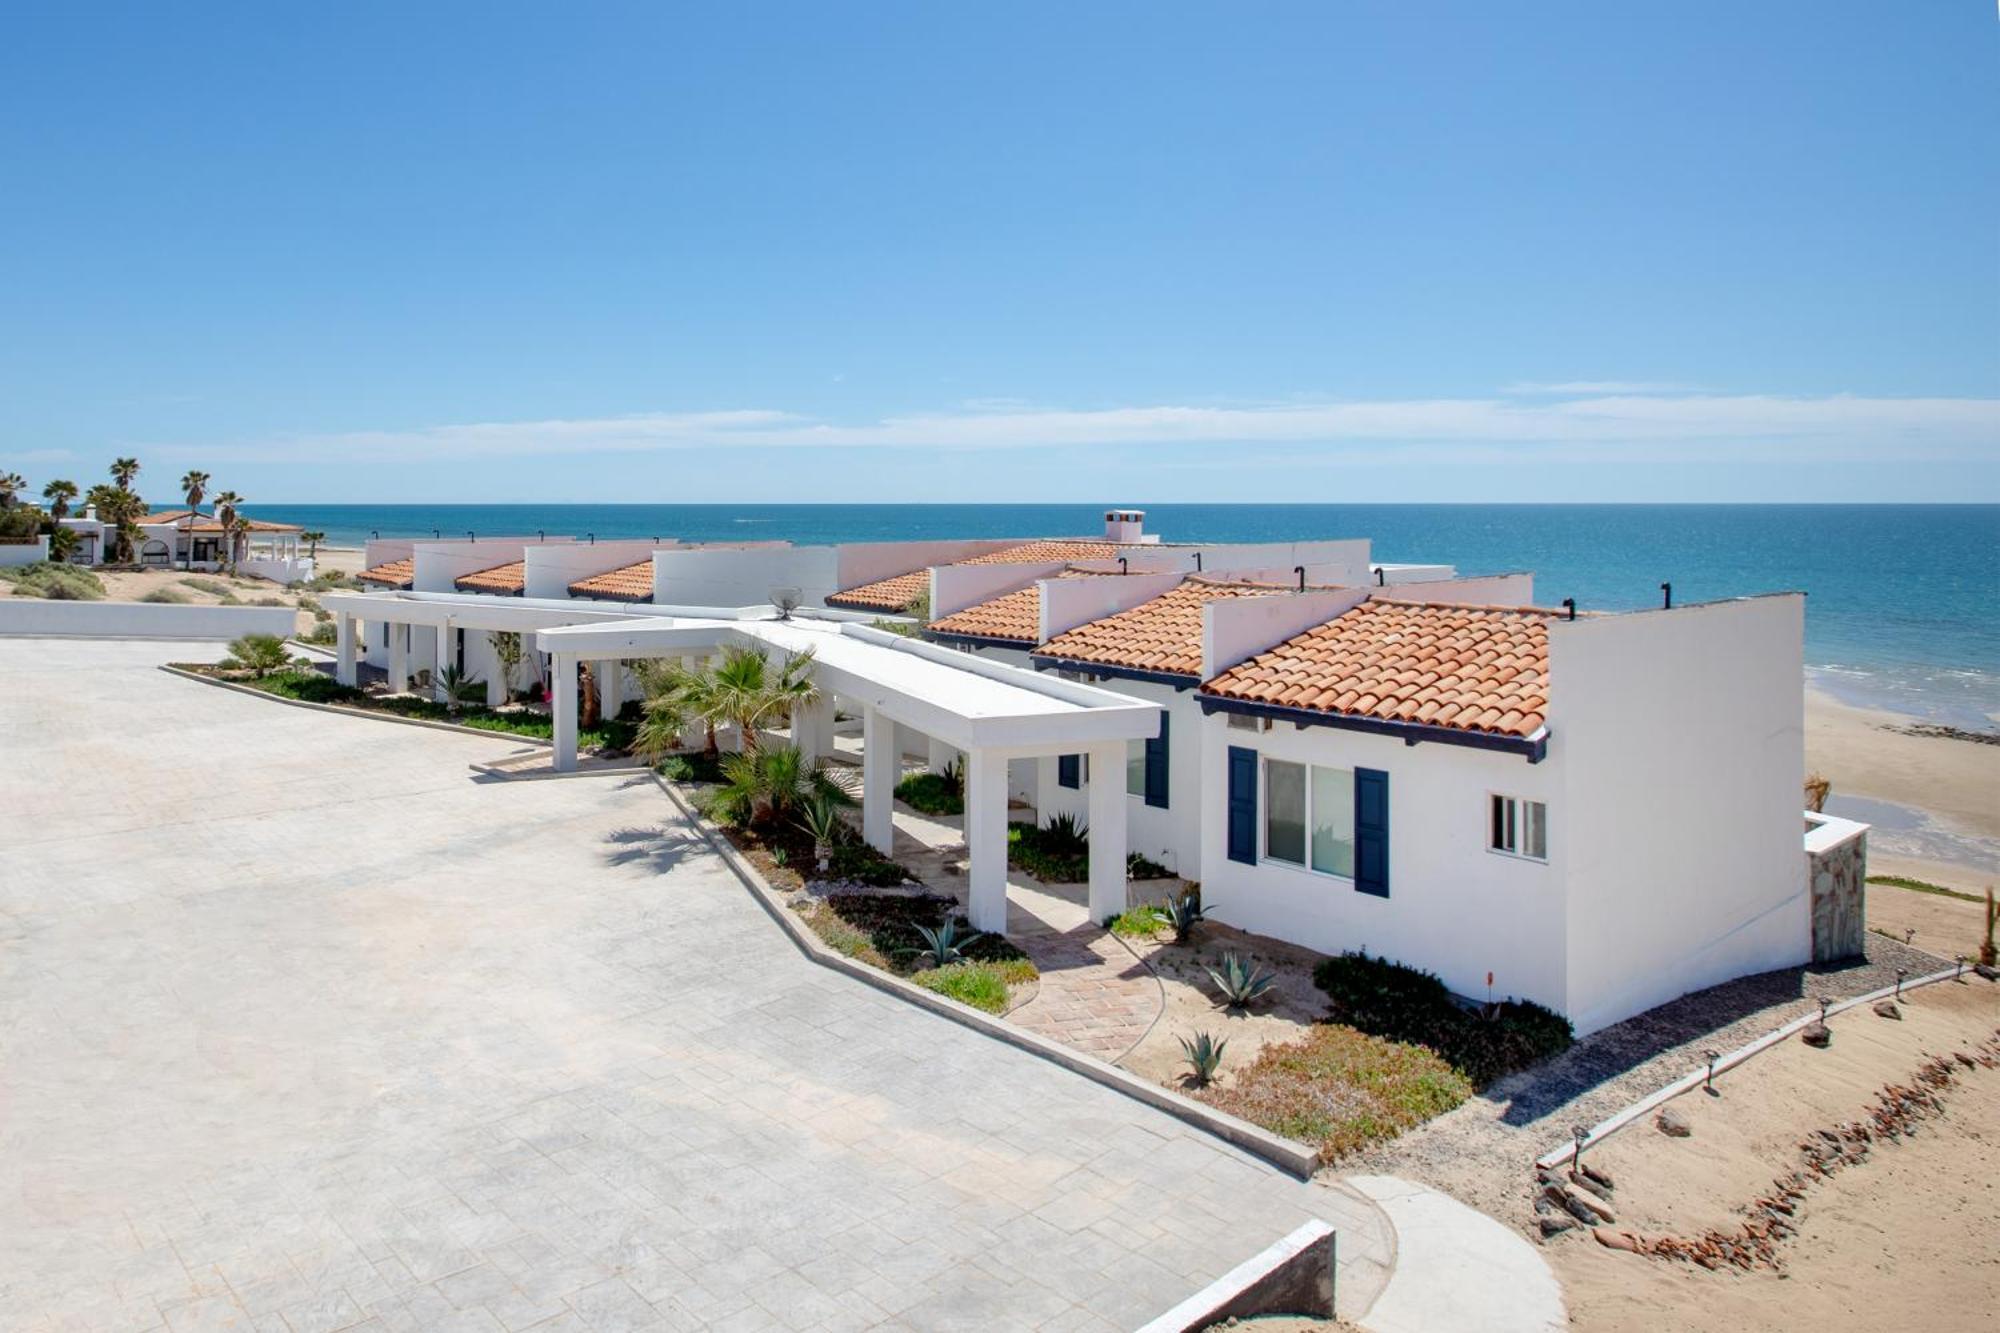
(989,712)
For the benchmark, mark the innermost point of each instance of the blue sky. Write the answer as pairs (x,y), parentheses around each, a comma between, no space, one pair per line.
(1145,252)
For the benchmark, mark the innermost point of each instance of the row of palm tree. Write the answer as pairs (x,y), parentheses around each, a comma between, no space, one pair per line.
(119,504)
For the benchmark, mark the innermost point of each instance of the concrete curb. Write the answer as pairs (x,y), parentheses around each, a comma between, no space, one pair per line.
(1295,1158)
(1294,1275)
(1456,1268)
(368,713)
(1618,1120)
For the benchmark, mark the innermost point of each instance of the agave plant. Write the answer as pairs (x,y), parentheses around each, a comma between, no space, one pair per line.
(1065,835)
(459,684)
(819,816)
(1204,1056)
(1183,914)
(945,944)
(1241,983)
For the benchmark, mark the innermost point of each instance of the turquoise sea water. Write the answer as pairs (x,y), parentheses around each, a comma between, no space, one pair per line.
(1903,608)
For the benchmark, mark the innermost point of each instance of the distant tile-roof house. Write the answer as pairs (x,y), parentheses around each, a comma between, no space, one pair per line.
(899,592)
(627,583)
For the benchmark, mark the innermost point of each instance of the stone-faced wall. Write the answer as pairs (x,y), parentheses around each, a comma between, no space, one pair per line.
(1837,873)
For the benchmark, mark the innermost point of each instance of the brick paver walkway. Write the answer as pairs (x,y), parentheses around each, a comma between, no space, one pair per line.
(1095,995)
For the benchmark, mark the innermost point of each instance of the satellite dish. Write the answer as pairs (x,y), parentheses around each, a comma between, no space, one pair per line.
(786,600)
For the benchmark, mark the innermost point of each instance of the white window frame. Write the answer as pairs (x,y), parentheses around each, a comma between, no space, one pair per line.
(1264,762)
(1519,823)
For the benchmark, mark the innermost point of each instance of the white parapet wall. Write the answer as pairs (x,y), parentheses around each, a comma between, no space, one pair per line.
(25,617)
(24,553)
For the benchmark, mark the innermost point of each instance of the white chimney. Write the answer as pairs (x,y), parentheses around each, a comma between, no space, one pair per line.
(1127,527)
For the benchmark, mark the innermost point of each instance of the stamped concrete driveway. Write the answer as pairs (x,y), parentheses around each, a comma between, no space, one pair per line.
(302,1027)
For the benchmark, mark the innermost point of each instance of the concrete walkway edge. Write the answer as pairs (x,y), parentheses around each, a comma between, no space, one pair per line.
(1456,1268)
(1296,1158)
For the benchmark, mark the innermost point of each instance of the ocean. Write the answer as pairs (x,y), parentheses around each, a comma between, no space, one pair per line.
(1903,607)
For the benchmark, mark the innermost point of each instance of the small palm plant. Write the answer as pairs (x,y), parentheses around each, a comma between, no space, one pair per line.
(945,944)
(1183,914)
(1242,984)
(767,785)
(260,654)
(459,685)
(1204,1056)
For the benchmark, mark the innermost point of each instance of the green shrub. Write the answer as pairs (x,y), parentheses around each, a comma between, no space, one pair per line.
(312,686)
(56,582)
(213,587)
(172,596)
(261,653)
(270,601)
(1340,1090)
(974,984)
(1054,855)
(1401,1003)
(1141,922)
(864,865)
(322,634)
(931,794)
(1144,867)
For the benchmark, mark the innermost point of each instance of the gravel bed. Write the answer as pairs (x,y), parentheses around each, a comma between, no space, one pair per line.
(1483,1153)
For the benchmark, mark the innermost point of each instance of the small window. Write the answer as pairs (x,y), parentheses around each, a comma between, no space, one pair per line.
(1519,828)
(1285,811)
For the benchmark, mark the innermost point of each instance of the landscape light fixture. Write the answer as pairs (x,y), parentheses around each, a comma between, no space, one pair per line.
(1901,972)
(1581,1134)
(1823,1003)
(1708,1083)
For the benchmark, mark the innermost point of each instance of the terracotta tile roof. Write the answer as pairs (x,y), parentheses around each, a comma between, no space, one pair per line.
(899,591)
(628,583)
(210,523)
(510,578)
(1015,616)
(393,574)
(1163,634)
(1475,668)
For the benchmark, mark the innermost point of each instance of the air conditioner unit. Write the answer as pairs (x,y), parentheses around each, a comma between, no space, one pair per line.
(1249,722)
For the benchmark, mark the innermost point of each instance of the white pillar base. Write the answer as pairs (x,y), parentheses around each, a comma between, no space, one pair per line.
(986,839)
(610,687)
(399,658)
(880,770)
(1107,801)
(441,656)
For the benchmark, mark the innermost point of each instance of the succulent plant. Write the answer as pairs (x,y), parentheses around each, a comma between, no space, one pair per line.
(1241,983)
(1204,1056)
(945,944)
(1183,914)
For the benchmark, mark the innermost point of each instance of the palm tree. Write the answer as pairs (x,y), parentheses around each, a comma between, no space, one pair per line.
(122,509)
(312,541)
(239,540)
(750,689)
(675,695)
(59,494)
(194,485)
(225,515)
(123,470)
(10,484)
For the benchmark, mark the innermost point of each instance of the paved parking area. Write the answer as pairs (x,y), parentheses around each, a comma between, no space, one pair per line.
(303,1028)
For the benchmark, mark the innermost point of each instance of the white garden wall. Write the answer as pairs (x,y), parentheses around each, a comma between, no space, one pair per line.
(33,617)
(24,553)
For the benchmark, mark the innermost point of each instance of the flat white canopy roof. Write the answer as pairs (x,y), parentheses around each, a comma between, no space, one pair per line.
(966,701)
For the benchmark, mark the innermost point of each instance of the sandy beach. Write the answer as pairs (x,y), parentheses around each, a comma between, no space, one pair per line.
(1954,782)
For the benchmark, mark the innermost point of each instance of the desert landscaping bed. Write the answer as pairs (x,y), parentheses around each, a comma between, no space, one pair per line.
(62,582)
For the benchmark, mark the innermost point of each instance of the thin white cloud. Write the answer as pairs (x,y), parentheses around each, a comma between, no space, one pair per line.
(1747,426)
(1569,388)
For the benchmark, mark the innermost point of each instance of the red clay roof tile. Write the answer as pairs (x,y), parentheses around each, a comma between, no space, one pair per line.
(392,573)
(901,591)
(1163,634)
(510,578)
(628,583)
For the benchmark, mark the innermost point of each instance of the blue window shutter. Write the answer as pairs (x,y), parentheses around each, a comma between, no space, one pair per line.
(1156,766)
(1069,770)
(1242,805)
(1371,831)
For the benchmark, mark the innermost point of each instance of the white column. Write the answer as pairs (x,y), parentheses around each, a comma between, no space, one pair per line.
(610,687)
(563,690)
(941,755)
(343,638)
(441,659)
(806,724)
(399,658)
(986,839)
(879,770)
(1107,830)
(496,683)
